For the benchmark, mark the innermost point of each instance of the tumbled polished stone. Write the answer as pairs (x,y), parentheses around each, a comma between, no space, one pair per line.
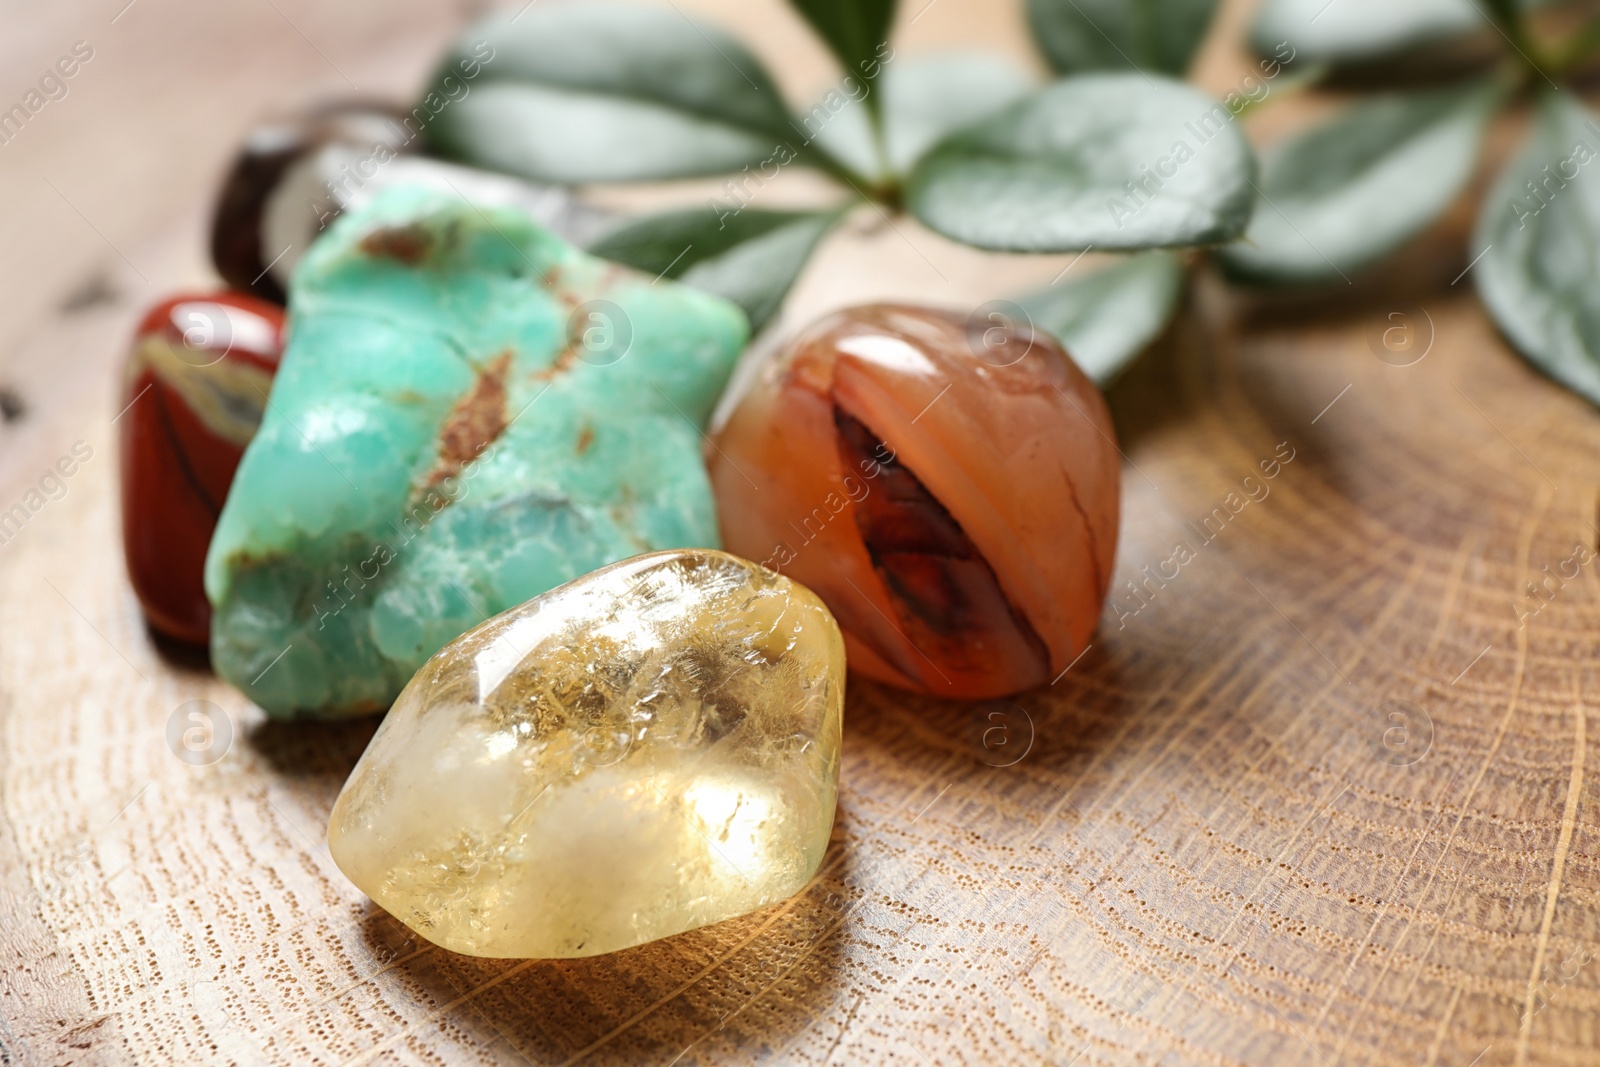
(469,412)
(196,382)
(245,253)
(950,488)
(295,175)
(646,750)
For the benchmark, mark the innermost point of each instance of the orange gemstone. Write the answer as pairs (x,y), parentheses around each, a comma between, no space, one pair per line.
(951,493)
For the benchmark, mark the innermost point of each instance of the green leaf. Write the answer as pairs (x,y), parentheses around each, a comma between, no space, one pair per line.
(1539,271)
(1347,193)
(1155,35)
(751,257)
(1354,31)
(924,98)
(1057,171)
(1107,317)
(854,30)
(757,275)
(605,92)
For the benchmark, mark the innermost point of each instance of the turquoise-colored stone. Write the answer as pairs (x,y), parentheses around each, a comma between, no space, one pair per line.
(361,536)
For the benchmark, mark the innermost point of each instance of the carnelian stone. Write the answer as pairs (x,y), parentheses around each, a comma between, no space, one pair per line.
(950,490)
(197,382)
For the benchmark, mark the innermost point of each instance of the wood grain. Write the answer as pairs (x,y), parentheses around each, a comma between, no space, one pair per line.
(1203,845)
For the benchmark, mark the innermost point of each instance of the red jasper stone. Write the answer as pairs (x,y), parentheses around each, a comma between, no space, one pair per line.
(197,383)
(950,490)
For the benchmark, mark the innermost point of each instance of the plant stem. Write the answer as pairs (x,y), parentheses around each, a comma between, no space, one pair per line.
(888,191)
(1291,85)
(828,163)
(1508,18)
(880,145)
(891,194)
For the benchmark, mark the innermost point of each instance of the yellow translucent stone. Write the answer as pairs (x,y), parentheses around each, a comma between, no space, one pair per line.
(648,749)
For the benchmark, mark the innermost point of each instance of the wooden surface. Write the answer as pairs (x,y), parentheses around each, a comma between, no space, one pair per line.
(1204,845)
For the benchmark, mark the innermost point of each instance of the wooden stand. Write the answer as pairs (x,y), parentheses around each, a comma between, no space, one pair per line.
(1316,798)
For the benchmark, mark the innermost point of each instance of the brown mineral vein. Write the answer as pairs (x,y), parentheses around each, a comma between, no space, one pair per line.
(560,365)
(478,418)
(404,244)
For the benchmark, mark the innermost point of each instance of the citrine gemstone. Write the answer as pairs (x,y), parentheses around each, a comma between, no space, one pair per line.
(197,379)
(470,412)
(949,487)
(651,748)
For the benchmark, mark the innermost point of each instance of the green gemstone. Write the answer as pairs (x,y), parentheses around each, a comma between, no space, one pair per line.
(454,430)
